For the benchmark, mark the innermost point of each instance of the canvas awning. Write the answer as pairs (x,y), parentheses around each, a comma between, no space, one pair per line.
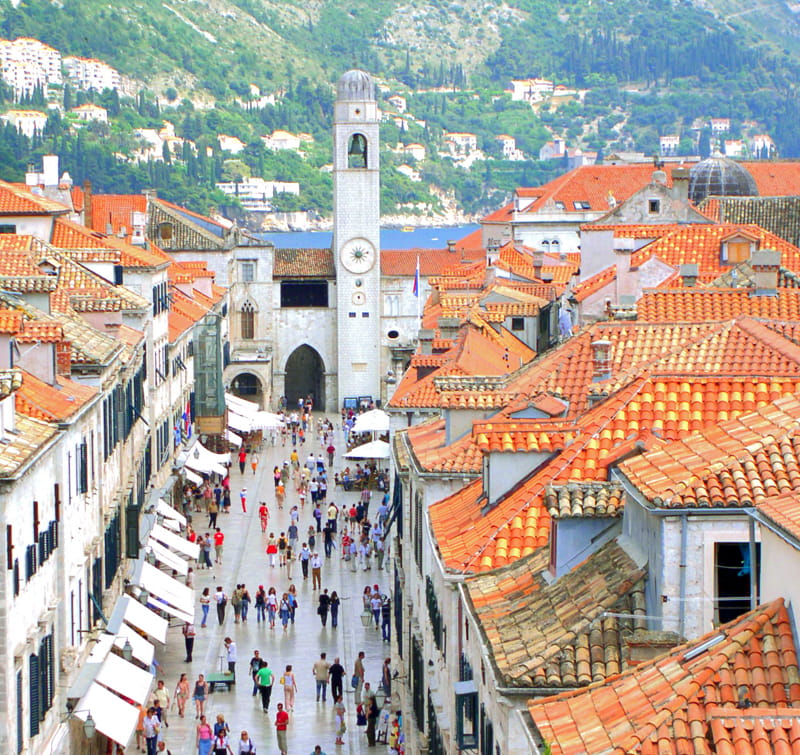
(175,542)
(111,714)
(192,476)
(141,649)
(162,587)
(171,524)
(239,422)
(125,678)
(166,556)
(200,459)
(240,405)
(163,508)
(232,437)
(265,421)
(130,611)
(376,449)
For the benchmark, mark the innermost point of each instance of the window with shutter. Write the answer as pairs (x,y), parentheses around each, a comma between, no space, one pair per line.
(33,694)
(20,714)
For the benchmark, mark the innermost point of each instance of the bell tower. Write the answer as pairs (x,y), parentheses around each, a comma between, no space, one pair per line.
(356,235)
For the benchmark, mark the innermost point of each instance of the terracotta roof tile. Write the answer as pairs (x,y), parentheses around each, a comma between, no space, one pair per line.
(594,283)
(16,200)
(575,644)
(113,212)
(403,262)
(57,403)
(713,303)
(584,500)
(783,510)
(778,215)
(686,702)
(30,436)
(304,263)
(426,443)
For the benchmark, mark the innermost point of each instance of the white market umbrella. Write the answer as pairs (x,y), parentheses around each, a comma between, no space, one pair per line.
(376,449)
(265,421)
(373,421)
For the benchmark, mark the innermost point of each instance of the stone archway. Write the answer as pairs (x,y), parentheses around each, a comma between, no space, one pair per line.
(305,376)
(248,386)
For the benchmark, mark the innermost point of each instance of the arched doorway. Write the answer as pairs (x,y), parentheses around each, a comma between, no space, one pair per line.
(305,376)
(248,386)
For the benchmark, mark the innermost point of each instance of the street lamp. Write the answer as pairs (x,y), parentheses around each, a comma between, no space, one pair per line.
(380,697)
(127,650)
(366,618)
(89,726)
(144,596)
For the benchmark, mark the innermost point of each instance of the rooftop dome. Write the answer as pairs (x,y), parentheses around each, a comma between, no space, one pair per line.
(355,85)
(719,176)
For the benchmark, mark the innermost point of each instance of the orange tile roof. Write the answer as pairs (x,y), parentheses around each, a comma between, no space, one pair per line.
(69,235)
(775,178)
(44,331)
(18,200)
(783,510)
(584,501)
(594,283)
(686,701)
(703,304)
(740,462)
(564,649)
(702,244)
(304,263)
(403,262)
(49,403)
(113,212)
(676,379)
(426,442)
(10,321)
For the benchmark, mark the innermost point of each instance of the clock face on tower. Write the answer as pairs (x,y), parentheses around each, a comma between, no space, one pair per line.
(357,255)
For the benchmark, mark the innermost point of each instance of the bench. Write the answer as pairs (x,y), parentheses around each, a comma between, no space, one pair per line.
(226,678)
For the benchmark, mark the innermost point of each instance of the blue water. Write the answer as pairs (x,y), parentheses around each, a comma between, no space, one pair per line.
(391,238)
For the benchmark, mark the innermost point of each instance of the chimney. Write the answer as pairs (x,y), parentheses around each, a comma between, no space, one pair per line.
(680,184)
(659,177)
(50,170)
(601,360)
(425,337)
(766,265)
(689,273)
(627,279)
(63,358)
(451,246)
(538,261)
(448,326)
(491,253)
(87,204)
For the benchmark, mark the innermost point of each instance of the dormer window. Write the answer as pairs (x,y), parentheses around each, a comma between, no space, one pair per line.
(560,205)
(738,249)
(581,205)
(165,231)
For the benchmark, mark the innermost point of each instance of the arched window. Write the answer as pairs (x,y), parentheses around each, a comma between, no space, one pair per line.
(247,317)
(357,151)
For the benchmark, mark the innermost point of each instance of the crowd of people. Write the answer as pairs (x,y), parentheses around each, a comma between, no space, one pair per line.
(305,536)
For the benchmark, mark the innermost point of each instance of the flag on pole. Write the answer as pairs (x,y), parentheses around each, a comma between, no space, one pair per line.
(187,421)
(416,279)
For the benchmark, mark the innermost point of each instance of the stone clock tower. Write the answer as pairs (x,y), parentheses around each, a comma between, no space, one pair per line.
(356,235)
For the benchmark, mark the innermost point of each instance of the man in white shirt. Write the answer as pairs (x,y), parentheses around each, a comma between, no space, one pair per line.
(151,726)
(232,654)
(316,572)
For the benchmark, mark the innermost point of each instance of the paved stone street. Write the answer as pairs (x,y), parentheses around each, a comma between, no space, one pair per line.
(245,561)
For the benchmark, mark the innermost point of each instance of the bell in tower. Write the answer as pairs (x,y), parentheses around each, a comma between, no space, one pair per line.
(357,152)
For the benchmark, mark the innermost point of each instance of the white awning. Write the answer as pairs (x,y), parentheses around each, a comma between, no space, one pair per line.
(373,421)
(265,421)
(232,437)
(161,605)
(142,650)
(200,459)
(171,524)
(191,476)
(175,542)
(205,466)
(163,508)
(240,405)
(166,556)
(238,422)
(111,714)
(125,678)
(130,611)
(163,587)
(376,449)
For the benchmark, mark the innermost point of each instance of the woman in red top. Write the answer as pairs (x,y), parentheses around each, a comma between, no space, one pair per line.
(263,515)
(242,460)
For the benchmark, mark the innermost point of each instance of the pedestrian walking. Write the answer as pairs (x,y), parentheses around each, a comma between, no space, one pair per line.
(236,602)
(272,548)
(243,499)
(316,571)
(324,606)
(188,640)
(254,461)
(204,737)
(242,460)
(264,680)
(263,515)
(282,544)
(372,719)
(304,557)
(386,677)
(207,551)
(261,604)
(285,611)
(334,606)
(330,451)
(181,694)
(199,696)
(213,510)
(152,726)
(219,544)
(358,675)
(245,603)
(222,600)
(321,672)
(245,744)
(272,606)
(337,679)
(281,722)
(341,725)
(292,601)
(205,603)
(221,745)
(255,665)
(289,687)
(386,619)
(375,606)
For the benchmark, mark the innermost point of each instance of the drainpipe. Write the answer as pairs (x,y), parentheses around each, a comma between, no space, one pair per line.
(684,548)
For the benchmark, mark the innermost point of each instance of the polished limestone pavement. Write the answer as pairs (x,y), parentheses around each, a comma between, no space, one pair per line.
(245,560)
